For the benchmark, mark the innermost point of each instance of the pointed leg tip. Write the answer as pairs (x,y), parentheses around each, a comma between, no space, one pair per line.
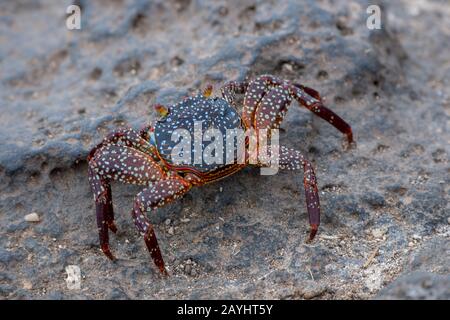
(350,137)
(112,227)
(164,272)
(108,253)
(349,145)
(312,233)
(350,141)
(161,266)
(111,257)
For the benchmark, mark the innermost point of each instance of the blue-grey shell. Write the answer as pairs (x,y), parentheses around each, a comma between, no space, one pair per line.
(212,112)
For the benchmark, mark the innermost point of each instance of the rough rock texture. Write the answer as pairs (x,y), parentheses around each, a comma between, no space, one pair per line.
(427,274)
(243,237)
(418,285)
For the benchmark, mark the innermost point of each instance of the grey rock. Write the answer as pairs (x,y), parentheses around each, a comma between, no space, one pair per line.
(432,256)
(117,294)
(51,226)
(6,290)
(374,199)
(313,289)
(61,94)
(55,295)
(15,227)
(8,257)
(417,286)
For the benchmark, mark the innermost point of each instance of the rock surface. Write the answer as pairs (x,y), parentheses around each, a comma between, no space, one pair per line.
(418,286)
(243,237)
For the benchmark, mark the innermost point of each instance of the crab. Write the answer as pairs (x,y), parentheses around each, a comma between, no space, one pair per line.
(142,157)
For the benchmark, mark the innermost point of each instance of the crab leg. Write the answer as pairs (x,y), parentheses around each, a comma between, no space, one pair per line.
(104,210)
(272,108)
(159,194)
(293,160)
(129,138)
(310,99)
(280,93)
(266,101)
(255,92)
(125,164)
(231,88)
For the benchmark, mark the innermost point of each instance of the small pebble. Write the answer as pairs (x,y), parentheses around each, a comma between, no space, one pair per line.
(73,280)
(185,220)
(32,217)
(188,269)
(378,232)
(27,285)
(287,67)
(170,231)
(416,237)
(167,222)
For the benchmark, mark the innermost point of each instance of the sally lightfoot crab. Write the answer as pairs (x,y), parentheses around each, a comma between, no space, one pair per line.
(144,157)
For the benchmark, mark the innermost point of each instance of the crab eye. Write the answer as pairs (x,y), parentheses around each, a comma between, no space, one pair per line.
(162,110)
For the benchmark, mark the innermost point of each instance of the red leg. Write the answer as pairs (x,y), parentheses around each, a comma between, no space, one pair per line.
(269,112)
(129,138)
(293,160)
(109,210)
(253,96)
(230,89)
(272,108)
(159,194)
(104,210)
(311,99)
(113,162)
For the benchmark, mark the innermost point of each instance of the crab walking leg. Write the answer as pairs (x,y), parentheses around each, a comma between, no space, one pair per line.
(311,99)
(293,160)
(109,213)
(255,92)
(307,97)
(159,194)
(104,202)
(126,137)
(272,109)
(231,88)
(103,208)
(119,163)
